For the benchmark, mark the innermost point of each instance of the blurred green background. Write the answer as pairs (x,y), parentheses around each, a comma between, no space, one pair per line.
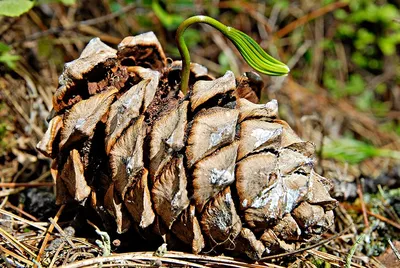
(342,93)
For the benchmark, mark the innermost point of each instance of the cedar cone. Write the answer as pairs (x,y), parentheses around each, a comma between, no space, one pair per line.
(212,169)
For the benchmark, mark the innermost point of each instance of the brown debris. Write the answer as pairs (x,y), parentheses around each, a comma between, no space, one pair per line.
(169,192)
(45,145)
(211,130)
(81,120)
(138,202)
(219,220)
(167,137)
(212,174)
(205,90)
(72,174)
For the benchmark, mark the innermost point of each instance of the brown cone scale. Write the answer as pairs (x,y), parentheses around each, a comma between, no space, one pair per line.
(216,170)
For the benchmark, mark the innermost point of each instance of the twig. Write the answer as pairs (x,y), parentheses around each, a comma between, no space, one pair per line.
(26,184)
(306,18)
(17,244)
(19,189)
(169,258)
(49,231)
(21,211)
(53,261)
(38,225)
(307,248)
(4,258)
(62,233)
(75,25)
(353,250)
(16,256)
(332,259)
(395,251)
(384,219)
(363,207)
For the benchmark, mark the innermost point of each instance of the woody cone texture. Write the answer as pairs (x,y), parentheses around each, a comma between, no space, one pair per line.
(212,170)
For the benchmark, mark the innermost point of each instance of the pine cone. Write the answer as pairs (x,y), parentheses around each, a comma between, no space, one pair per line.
(212,169)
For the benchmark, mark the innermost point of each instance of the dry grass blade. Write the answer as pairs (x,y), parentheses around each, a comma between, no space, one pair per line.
(308,248)
(9,205)
(332,259)
(53,261)
(7,192)
(17,244)
(38,225)
(303,20)
(62,233)
(16,256)
(172,258)
(47,237)
(26,184)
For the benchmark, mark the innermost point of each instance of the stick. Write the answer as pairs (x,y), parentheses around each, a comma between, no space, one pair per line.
(306,18)
(47,237)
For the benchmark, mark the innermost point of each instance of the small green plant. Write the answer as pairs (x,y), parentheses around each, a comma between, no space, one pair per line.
(6,57)
(15,8)
(254,55)
(354,151)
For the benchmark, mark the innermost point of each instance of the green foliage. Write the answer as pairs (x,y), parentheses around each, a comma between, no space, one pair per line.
(15,8)
(223,61)
(354,151)
(368,32)
(64,2)
(370,24)
(6,57)
(170,21)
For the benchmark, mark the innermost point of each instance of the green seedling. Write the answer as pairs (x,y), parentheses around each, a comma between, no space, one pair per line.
(254,55)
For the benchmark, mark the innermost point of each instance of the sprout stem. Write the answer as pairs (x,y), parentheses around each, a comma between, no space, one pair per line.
(254,55)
